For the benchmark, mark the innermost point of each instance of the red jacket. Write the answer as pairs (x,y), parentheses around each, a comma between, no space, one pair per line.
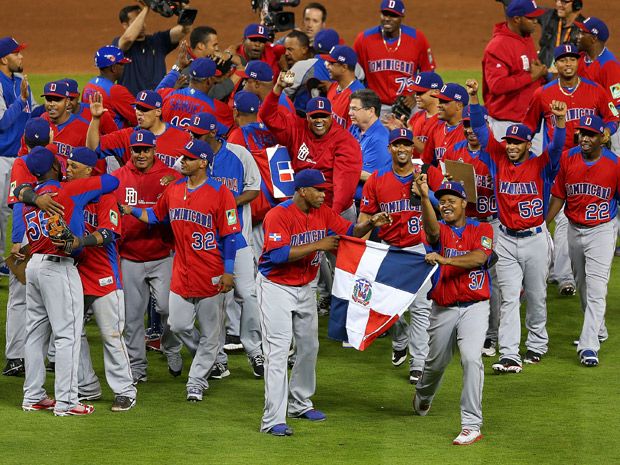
(336,154)
(507,87)
(141,242)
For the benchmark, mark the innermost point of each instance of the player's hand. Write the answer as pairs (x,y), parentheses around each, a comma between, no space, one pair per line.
(226,283)
(328,243)
(558,108)
(380,219)
(420,185)
(24,88)
(472,87)
(167,179)
(236,59)
(125,209)
(16,252)
(181,81)
(47,203)
(285,79)
(96,105)
(606,135)
(537,70)
(434,258)
(182,55)
(392,122)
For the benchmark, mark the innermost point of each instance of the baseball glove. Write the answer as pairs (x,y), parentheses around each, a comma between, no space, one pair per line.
(59,233)
(400,108)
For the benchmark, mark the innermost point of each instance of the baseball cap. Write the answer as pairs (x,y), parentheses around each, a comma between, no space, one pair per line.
(591,123)
(259,70)
(246,102)
(319,105)
(142,138)
(523,8)
(37,129)
(451,188)
(427,81)
(393,6)
(467,113)
(594,26)
(202,68)
(309,178)
(202,123)
(56,89)
(9,45)
(453,92)
(73,87)
(110,55)
(518,132)
(256,31)
(148,99)
(197,150)
(565,50)
(325,40)
(400,134)
(39,161)
(341,54)
(83,155)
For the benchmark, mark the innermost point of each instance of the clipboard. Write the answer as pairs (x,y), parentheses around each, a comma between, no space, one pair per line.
(466,174)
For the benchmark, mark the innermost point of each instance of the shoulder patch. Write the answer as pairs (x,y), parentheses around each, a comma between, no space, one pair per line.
(231,216)
(487,242)
(114,217)
(613,109)
(615,90)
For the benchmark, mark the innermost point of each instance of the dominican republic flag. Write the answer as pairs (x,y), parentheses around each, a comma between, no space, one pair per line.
(281,171)
(373,285)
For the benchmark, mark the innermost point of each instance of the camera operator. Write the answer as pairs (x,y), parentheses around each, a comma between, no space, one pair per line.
(147,52)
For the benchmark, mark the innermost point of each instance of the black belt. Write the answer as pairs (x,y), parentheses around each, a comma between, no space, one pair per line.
(465,304)
(488,219)
(58,259)
(521,233)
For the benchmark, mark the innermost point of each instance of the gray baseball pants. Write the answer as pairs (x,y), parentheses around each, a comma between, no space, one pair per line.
(15,319)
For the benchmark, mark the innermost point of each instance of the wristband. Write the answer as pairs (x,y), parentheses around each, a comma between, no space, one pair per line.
(176,68)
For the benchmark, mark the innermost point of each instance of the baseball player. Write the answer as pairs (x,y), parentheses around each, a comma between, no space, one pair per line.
(99,270)
(54,295)
(259,80)
(425,86)
(148,103)
(82,109)
(522,184)
(203,216)
(257,46)
(391,54)
(389,190)
(459,317)
(588,183)
(233,166)
(146,254)
(116,98)
(296,231)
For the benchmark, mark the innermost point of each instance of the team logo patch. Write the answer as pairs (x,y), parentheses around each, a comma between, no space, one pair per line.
(613,109)
(106,281)
(113,217)
(526,62)
(487,242)
(231,216)
(13,186)
(362,292)
(615,90)
(275,237)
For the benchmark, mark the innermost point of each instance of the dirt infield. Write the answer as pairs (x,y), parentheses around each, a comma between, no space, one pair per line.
(63,35)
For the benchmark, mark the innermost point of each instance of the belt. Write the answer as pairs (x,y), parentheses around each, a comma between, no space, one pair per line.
(488,219)
(584,226)
(58,259)
(522,232)
(464,304)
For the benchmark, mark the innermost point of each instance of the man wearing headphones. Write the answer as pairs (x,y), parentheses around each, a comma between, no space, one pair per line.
(558,27)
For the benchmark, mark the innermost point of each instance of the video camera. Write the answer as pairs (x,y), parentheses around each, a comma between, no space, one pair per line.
(168,8)
(273,15)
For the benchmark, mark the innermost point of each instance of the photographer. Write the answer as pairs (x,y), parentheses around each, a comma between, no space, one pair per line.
(147,52)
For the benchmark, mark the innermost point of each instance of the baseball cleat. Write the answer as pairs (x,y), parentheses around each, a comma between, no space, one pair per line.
(312,415)
(90,397)
(78,410)
(399,357)
(175,364)
(219,371)
(600,340)
(532,357)
(14,367)
(232,343)
(50,367)
(122,403)
(588,358)
(414,376)
(44,404)
(139,379)
(280,430)
(324,306)
(258,365)
(194,394)
(488,350)
(567,289)
(420,408)
(507,365)
(346,345)
(467,437)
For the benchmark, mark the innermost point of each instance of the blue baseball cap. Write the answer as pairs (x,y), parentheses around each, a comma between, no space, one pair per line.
(518,132)
(565,50)
(148,99)
(341,54)
(73,87)
(39,161)
(256,31)
(526,8)
(9,45)
(451,188)
(319,105)
(467,113)
(83,155)
(37,130)
(591,123)
(393,6)
(310,178)
(202,68)
(259,70)
(197,150)
(202,123)
(325,40)
(142,138)
(400,134)
(453,92)
(594,26)
(110,55)
(56,89)
(426,81)
(246,102)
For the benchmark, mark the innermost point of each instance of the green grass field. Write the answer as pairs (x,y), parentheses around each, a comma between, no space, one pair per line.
(555,413)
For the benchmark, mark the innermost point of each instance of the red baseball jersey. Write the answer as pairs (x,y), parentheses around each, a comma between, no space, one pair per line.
(587,98)
(440,138)
(71,133)
(180,105)
(142,242)
(200,218)
(167,144)
(604,70)
(271,55)
(340,100)
(100,267)
(20,174)
(106,123)
(590,189)
(421,124)
(116,98)
(390,65)
(336,154)
(287,226)
(453,285)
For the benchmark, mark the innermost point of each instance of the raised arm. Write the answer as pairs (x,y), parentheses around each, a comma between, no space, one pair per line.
(133,30)
(429,219)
